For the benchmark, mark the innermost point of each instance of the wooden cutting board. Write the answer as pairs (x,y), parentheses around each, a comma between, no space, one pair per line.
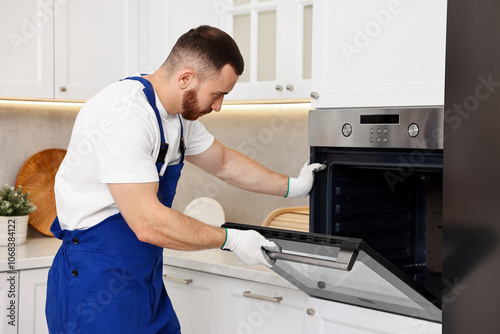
(37,175)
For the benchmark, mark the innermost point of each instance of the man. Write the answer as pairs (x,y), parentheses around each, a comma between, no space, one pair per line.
(116,184)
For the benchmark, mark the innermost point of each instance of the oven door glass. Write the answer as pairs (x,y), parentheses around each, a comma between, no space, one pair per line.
(347,270)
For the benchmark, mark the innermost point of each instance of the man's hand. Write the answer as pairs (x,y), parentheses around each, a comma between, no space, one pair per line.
(301,186)
(249,246)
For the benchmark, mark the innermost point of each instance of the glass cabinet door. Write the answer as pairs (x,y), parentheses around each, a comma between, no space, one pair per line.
(275,38)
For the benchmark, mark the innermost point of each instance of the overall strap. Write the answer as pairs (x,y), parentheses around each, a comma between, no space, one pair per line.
(182,146)
(150,95)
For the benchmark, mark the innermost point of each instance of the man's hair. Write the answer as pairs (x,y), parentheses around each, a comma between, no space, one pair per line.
(205,49)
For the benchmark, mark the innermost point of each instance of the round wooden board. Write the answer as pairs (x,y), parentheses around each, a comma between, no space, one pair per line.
(37,175)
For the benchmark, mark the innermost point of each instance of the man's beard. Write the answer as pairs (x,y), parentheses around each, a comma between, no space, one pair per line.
(190,109)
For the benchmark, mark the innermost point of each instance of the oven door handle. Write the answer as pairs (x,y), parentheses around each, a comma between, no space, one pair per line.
(344,261)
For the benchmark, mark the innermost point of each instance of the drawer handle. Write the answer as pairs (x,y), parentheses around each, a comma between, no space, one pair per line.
(179,280)
(248,294)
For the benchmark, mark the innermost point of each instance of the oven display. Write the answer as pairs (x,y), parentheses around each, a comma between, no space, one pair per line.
(379,119)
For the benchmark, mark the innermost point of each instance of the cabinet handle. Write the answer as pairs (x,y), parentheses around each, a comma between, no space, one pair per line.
(314,95)
(279,88)
(310,311)
(62,89)
(180,280)
(260,297)
(289,87)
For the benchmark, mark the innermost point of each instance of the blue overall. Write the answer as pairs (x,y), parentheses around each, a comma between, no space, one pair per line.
(105,280)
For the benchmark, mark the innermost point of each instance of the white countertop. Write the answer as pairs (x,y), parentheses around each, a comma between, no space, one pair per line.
(38,252)
(223,263)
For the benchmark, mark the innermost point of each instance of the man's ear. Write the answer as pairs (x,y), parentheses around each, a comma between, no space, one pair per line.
(186,78)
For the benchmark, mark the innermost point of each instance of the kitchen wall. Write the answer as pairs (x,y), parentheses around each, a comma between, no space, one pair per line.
(274,135)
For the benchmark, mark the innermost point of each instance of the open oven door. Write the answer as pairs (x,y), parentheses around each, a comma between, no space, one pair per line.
(346,270)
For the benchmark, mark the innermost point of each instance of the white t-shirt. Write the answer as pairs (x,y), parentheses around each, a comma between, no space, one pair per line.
(116,139)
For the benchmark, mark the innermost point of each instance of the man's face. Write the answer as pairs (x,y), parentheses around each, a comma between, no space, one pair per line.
(208,95)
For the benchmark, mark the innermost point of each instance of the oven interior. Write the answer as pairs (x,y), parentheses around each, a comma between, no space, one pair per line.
(390,199)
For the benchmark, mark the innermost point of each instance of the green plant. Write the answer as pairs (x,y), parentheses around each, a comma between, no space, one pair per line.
(15,202)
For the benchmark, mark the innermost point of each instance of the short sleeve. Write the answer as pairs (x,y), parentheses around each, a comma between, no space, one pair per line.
(198,138)
(124,149)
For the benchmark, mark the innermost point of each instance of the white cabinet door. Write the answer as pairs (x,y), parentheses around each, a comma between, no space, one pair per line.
(27,63)
(33,285)
(250,307)
(275,40)
(96,43)
(194,296)
(9,302)
(378,53)
(325,317)
(164,21)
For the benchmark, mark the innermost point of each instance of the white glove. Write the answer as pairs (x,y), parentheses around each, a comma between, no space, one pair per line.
(250,247)
(301,186)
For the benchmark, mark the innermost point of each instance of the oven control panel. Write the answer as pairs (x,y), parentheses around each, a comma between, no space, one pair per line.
(390,128)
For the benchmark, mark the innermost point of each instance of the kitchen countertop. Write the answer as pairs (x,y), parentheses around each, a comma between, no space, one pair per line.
(38,252)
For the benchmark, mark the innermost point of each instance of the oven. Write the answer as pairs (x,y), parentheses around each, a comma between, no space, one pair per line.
(375,236)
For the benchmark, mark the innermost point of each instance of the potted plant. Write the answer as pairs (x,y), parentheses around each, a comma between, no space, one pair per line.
(15,207)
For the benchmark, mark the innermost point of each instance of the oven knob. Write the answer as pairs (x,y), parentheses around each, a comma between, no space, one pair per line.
(346,129)
(413,130)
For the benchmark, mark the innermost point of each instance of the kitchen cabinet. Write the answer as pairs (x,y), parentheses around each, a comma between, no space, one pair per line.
(163,22)
(378,53)
(275,38)
(252,307)
(215,304)
(96,43)
(324,317)
(27,49)
(22,301)
(33,287)
(194,296)
(67,49)
(9,302)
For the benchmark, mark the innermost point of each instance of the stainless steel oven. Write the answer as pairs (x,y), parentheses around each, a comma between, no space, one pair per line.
(375,213)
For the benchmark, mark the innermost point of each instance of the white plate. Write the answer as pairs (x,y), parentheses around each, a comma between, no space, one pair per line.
(206,210)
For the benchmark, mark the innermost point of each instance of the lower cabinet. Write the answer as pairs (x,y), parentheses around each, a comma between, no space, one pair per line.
(22,301)
(33,287)
(214,304)
(251,307)
(194,296)
(325,317)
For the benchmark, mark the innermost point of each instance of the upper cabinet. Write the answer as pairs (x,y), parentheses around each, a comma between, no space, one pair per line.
(164,21)
(96,43)
(275,38)
(366,53)
(27,56)
(66,49)
(371,53)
